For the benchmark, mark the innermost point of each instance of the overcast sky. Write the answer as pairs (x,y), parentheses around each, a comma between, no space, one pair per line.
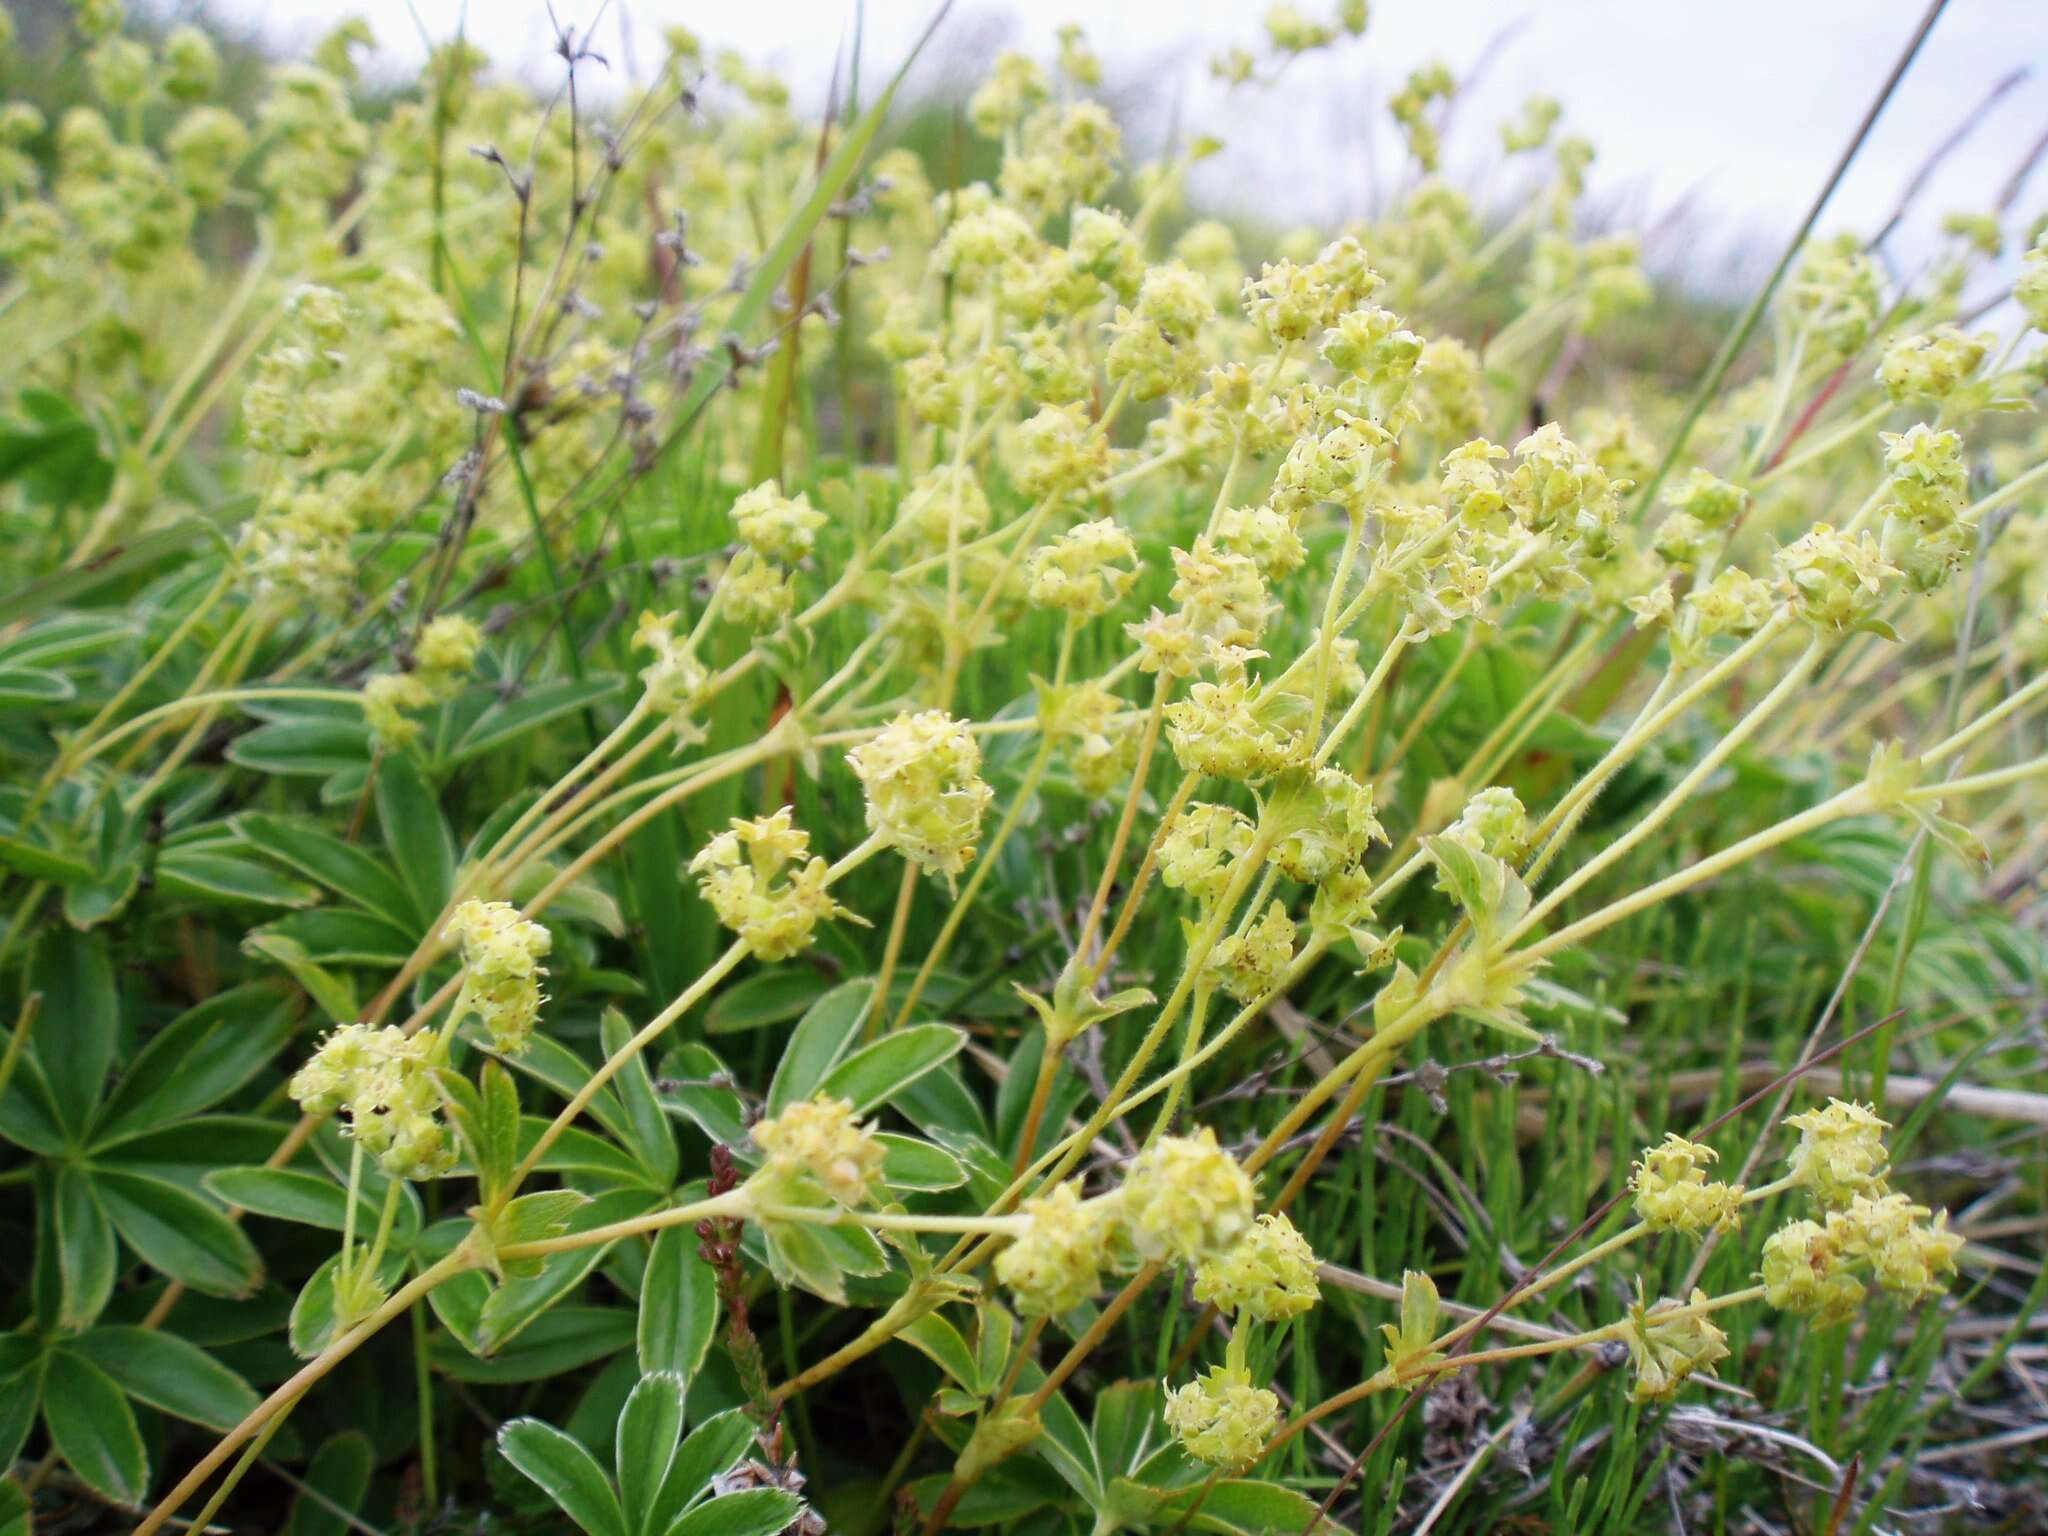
(1732,110)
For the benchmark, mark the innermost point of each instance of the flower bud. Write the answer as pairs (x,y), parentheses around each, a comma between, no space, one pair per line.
(1221,1418)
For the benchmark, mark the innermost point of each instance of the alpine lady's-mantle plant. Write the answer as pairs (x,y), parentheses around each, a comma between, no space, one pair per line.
(818,832)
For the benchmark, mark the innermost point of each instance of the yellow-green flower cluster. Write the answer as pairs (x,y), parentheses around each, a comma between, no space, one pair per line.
(1202,848)
(1834,579)
(1185,1198)
(1841,1152)
(1084,571)
(1668,1343)
(442,658)
(740,872)
(2030,288)
(1933,364)
(1816,1268)
(501,969)
(775,526)
(1673,1193)
(817,1152)
(1057,1263)
(383,1081)
(1253,963)
(1330,821)
(925,794)
(1557,487)
(1493,823)
(675,678)
(1268,1274)
(1838,294)
(1926,493)
(1222,1418)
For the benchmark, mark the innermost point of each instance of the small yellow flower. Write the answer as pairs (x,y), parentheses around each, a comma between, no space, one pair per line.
(501,955)
(1805,1273)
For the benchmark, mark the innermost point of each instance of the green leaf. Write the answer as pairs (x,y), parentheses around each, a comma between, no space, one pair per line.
(506,722)
(210,876)
(872,1075)
(178,1234)
(39,861)
(341,867)
(169,1374)
(64,637)
(416,836)
(750,1512)
(28,1110)
(533,1286)
(93,1429)
(824,1036)
(14,1508)
(345,936)
(695,1085)
(336,1480)
(198,1059)
(536,1217)
(311,1328)
(307,1199)
(21,1388)
(713,1447)
(910,1164)
(497,1127)
(1239,1507)
(648,1134)
(332,994)
(75,1032)
(937,1339)
(33,687)
(773,997)
(566,1472)
(55,453)
(305,748)
(650,1427)
(85,1248)
(678,1305)
(565,1339)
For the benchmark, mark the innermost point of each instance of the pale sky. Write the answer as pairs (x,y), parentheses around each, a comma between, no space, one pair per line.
(1734,109)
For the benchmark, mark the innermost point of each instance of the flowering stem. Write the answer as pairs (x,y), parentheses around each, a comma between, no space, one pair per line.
(731,1203)
(1679,794)
(690,996)
(1853,801)
(1147,743)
